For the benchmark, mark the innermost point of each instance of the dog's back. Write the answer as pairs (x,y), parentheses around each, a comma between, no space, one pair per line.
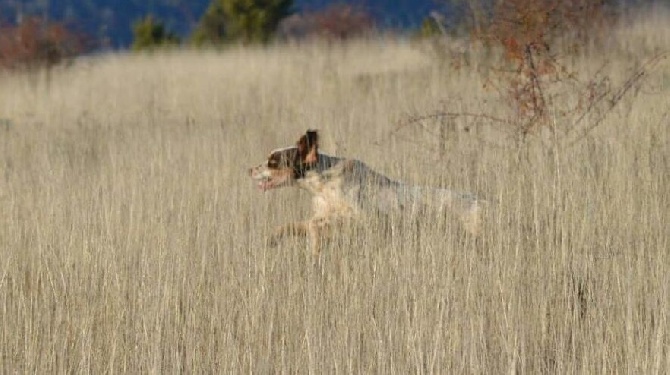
(351,183)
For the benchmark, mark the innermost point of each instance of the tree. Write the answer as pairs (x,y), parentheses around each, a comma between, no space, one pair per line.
(246,21)
(149,33)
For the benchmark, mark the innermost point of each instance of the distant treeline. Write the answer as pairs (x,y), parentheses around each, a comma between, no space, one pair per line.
(109,22)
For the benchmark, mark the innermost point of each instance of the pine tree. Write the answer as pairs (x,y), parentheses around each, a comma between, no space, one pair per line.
(149,33)
(212,26)
(245,21)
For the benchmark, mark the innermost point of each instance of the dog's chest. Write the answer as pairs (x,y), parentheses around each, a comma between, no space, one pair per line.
(333,201)
(329,198)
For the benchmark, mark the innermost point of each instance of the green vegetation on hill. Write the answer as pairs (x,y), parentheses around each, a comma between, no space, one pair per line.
(245,21)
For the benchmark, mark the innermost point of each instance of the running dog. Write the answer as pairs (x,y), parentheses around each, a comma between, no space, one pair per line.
(345,190)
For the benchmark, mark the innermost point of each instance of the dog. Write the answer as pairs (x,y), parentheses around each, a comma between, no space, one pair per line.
(347,190)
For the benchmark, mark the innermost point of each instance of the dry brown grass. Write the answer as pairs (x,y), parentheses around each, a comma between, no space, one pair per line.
(131,239)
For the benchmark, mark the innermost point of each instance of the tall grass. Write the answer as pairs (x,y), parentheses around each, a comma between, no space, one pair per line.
(131,239)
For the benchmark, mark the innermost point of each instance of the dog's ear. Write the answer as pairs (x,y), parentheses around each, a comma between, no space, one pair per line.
(308,146)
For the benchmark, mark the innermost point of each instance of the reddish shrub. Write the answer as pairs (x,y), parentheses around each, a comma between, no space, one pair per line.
(35,43)
(336,22)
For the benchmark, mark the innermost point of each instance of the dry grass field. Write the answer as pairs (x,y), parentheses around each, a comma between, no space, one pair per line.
(133,241)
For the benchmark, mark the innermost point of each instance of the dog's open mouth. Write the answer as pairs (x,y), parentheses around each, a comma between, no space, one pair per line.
(267,180)
(266,184)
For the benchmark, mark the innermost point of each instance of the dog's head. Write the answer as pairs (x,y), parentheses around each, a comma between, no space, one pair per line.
(285,166)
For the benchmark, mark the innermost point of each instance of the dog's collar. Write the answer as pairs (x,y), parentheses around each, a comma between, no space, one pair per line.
(324,162)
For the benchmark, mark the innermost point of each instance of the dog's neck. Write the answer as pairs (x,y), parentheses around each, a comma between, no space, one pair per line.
(325,162)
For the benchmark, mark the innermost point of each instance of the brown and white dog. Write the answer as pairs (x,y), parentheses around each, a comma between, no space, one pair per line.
(346,189)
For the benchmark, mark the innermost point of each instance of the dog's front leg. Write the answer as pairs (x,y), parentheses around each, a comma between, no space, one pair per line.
(313,229)
(295,229)
(315,238)
(319,228)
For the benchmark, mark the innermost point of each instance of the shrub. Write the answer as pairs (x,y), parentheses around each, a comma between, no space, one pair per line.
(529,75)
(335,22)
(35,43)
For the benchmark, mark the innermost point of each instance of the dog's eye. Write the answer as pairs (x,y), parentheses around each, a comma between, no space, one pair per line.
(272,163)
